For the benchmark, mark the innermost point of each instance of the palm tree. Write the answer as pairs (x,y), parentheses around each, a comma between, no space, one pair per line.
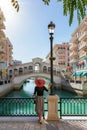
(69,8)
(72,6)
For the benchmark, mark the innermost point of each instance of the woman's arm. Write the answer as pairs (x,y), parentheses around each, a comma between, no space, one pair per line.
(35,91)
(49,86)
(47,89)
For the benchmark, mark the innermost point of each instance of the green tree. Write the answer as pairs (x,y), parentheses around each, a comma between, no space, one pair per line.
(15,4)
(69,8)
(72,6)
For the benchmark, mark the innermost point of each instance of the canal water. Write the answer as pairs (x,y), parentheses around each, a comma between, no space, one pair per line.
(27,90)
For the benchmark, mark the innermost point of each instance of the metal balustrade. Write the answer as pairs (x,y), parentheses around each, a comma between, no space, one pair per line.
(18,107)
(26,107)
(73,107)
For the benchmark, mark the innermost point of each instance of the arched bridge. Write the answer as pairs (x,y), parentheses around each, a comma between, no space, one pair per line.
(36,68)
(18,80)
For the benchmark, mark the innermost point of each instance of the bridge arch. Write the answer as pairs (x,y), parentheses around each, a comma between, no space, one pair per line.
(20,79)
(37,67)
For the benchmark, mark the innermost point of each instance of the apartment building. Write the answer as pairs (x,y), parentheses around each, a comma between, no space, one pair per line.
(5,48)
(78,50)
(8,52)
(61,54)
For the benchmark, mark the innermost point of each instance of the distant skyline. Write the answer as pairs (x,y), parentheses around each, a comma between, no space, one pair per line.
(28,29)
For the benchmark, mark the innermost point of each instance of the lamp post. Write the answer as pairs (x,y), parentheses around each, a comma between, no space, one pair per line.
(51,28)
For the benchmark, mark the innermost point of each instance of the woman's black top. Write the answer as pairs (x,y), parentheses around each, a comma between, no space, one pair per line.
(40,90)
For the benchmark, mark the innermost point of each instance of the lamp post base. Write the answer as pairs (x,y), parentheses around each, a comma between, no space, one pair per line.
(52,108)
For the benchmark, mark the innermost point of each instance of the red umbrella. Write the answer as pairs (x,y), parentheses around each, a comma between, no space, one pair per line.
(40,82)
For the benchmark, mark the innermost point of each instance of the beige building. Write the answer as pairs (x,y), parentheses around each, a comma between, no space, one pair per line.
(61,54)
(78,50)
(5,48)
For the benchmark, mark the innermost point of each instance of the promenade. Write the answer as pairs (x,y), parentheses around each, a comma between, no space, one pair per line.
(31,123)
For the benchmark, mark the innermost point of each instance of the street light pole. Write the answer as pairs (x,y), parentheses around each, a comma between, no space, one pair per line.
(51,64)
(51,27)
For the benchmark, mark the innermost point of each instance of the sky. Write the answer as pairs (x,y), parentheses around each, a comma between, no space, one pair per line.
(27,29)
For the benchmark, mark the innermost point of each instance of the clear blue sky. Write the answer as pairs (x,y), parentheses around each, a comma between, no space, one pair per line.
(27,29)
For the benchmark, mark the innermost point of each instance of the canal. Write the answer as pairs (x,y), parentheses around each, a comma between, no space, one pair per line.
(27,90)
(20,102)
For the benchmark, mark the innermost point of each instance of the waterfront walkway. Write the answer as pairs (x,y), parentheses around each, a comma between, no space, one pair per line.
(27,123)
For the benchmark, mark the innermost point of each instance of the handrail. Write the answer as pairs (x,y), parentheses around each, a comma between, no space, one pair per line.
(26,107)
(18,106)
(73,106)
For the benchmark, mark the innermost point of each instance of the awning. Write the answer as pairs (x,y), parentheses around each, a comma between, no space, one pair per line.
(77,74)
(80,63)
(74,74)
(84,74)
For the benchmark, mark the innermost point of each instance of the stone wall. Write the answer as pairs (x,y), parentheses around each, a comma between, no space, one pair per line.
(5,88)
(77,87)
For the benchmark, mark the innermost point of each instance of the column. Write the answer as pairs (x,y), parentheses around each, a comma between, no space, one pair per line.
(52,108)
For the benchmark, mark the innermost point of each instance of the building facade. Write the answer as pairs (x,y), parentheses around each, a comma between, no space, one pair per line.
(61,54)
(78,51)
(5,49)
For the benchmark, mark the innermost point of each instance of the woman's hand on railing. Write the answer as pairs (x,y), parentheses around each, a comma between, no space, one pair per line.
(49,86)
(33,96)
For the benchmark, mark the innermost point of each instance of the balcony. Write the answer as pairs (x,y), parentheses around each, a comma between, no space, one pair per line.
(83,46)
(73,60)
(1,50)
(1,42)
(74,54)
(83,37)
(1,60)
(81,55)
(71,53)
(74,39)
(2,34)
(73,47)
(2,26)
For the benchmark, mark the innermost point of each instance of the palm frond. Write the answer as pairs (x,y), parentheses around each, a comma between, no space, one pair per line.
(15,4)
(46,2)
(70,6)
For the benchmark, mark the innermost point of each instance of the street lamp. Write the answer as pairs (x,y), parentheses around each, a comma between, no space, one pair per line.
(51,28)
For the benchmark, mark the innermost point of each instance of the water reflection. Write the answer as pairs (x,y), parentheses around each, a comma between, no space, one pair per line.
(28,87)
(27,90)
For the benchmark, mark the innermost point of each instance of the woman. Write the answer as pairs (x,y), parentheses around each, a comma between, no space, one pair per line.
(39,92)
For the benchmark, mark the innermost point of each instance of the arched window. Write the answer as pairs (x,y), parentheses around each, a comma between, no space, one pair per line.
(44,69)
(20,70)
(37,67)
(54,71)
(15,71)
(25,69)
(30,68)
(10,71)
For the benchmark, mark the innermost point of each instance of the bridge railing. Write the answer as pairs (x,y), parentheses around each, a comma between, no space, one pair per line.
(26,107)
(57,73)
(73,107)
(19,107)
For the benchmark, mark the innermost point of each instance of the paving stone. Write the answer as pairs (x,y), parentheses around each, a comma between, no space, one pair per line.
(34,125)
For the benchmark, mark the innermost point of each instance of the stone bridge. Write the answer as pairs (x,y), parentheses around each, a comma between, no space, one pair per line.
(36,68)
(18,80)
